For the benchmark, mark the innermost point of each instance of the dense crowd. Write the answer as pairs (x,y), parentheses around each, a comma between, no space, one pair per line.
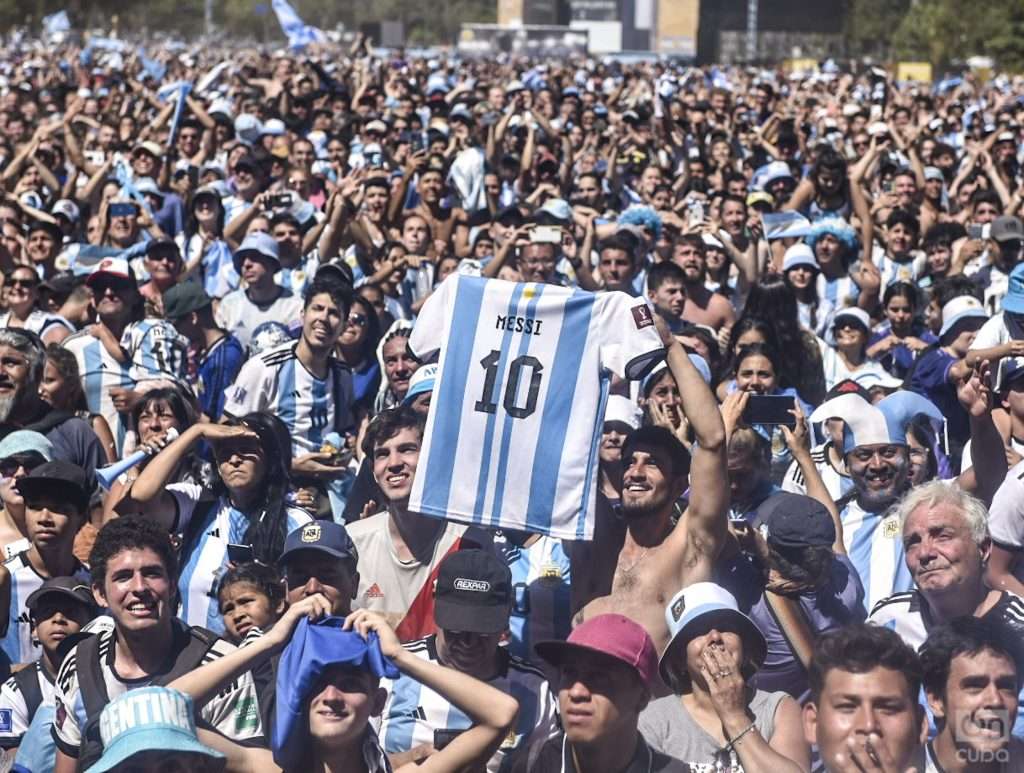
(364,412)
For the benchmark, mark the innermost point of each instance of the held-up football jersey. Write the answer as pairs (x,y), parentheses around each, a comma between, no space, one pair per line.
(512,433)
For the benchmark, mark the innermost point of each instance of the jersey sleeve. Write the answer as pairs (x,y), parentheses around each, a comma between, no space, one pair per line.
(66,732)
(248,393)
(1006,515)
(630,343)
(431,324)
(14,718)
(235,710)
(185,496)
(992,333)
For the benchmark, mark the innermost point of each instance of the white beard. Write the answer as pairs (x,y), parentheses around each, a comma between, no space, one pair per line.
(6,406)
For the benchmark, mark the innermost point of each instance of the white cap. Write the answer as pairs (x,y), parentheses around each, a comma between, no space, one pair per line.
(622,409)
(961,307)
(799,254)
(856,313)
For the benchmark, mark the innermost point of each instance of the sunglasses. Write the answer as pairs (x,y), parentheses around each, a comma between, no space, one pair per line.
(27,461)
(358,320)
(27,284)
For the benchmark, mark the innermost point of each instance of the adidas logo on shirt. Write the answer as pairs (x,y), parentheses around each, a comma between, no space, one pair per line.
(374,592)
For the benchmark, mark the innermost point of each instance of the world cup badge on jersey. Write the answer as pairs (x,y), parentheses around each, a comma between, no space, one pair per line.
(891,527)
(642,316)
(550,571)
(310,532)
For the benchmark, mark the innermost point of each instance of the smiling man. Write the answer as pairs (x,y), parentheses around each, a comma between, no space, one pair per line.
(134,574)
(400,550)
(303,383)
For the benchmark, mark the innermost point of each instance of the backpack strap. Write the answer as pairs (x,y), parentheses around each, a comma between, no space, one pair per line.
(199,642)
(93,691)
(27,680)
(341,383)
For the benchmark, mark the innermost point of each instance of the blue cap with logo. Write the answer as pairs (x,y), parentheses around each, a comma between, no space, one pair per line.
(150,719)
(326,536)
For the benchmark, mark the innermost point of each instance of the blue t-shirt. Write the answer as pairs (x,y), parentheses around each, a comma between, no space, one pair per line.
(217,371)
(930,377)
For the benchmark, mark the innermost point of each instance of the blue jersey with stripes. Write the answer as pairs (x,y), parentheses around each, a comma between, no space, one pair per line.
(17,644)
(413,711)
(207,559)
(100,372)
(276,381)
(874,544)
(541,607)
(513,429)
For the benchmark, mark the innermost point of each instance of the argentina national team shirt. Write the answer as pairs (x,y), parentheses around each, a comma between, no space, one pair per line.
(513,429)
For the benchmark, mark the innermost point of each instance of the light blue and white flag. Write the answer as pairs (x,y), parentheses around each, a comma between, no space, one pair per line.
(154,69)
(56,23)
(299,33)
(784,225)
(178,91)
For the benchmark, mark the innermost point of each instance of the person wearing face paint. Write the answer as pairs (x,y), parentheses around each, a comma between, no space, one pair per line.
(473,598)
(715,720)
(863,714)
(134,573)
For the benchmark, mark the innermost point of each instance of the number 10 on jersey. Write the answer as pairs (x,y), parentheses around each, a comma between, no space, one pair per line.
(522,366)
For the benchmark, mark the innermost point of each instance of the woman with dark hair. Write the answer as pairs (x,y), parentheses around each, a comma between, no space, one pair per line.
(21,299)
(203,247)
(825,192)
(357,347)
(243,516)
(61,387)
(152,417)
(897,341)
(772,301)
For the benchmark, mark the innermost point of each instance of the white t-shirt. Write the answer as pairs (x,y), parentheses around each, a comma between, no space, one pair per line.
(512,435)
(240,316)
(14,711)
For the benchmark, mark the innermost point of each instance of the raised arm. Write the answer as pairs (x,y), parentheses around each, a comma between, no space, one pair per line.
(988,452)
(704,522)
(492,711)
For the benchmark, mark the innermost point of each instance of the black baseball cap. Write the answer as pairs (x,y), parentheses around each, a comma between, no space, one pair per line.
(62,480)
(796,521)
(67,587)
(325,536)
(182,299)
(473,593)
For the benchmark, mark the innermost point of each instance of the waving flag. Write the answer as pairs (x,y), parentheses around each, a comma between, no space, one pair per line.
(152,67)
(177,90)
(299,33)
(784,225)
(56,23)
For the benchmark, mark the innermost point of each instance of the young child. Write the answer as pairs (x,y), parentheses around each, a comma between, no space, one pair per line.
(250,596)
(57,610)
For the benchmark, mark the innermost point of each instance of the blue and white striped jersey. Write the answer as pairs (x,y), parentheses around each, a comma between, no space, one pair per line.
(874,544)
(512,435)
(154,350)
(413,711)
(208,559)
(541,609)
(100,372)
(894,271)
(17,642)
(277,382)
(840,293)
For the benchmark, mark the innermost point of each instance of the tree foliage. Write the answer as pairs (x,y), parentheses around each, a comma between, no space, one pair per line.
(943,32)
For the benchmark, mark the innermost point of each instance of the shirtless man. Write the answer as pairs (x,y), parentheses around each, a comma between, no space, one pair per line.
(656,560)
(703,307)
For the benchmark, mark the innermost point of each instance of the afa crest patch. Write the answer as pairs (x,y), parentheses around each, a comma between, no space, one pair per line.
(677,608)
(310,532)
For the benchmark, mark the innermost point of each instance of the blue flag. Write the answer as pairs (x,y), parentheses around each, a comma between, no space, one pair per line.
(299,33)
(786,224)
(56,23)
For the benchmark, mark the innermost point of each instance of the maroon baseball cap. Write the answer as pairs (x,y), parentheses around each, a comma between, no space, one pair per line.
(613,635)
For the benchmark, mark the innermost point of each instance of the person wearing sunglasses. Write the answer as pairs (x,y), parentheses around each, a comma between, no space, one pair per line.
(20,453)
(357,345)
(21,296)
